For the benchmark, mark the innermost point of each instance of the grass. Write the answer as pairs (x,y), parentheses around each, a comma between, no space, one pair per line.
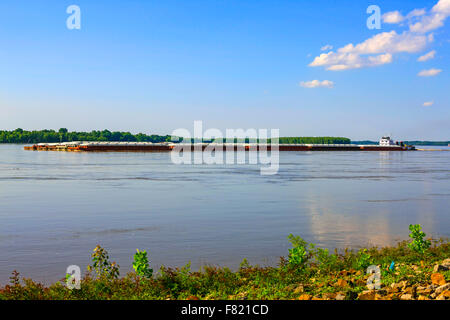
(307,272)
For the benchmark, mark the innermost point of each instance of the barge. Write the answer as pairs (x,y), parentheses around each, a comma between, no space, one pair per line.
(386,144)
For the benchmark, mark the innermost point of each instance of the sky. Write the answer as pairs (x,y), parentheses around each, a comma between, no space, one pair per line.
(307,68)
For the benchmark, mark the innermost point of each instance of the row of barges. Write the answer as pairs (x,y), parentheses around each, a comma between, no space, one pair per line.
(168,146)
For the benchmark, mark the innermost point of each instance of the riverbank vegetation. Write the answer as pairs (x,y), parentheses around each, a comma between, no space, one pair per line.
(63,135)
(418,269)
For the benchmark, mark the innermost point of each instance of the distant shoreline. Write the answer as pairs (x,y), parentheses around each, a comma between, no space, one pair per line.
(20,136)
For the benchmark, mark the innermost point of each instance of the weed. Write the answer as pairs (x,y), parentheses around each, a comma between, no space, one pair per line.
(418,244)
(141,265)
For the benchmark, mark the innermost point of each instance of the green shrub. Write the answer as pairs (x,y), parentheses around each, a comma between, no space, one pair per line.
(363,259)
(101,264)
(418,244)
(141,265)
(298,254)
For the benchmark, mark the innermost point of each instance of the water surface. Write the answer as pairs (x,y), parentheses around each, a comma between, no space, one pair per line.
(55,207)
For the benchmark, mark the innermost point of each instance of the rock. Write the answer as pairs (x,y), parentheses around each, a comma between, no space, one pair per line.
(409,290)
(340,296)
(442,288)
(406,297)
(423,291)
(392,296)
(242,296)
(329,296)
(445,266)
(382,291)
(299,289)
(304,297)
(367,295)
(341,283)
(438,279)
(399,286)
(432,287)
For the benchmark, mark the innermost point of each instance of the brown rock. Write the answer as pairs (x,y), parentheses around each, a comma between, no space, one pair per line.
(242,296)
(329,296)
(341,283)
(409,290)
(442,288)
(444,266)
(438,279)
(392,296)
(423,291)
(340,296)
(299,289)
(304,297)
(367,295)
(395,287)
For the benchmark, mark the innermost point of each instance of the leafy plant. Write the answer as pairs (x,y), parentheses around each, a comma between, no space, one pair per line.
(298,254)
(363,259)
(326,260)
(141,265)
(418,244)
(101,264)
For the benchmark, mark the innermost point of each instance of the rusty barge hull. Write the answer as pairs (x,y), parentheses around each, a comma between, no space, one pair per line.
(167,147)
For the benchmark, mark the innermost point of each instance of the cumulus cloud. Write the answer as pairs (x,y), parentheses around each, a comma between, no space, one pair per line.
(428,103)
(392,17)
(381,48)
(375,51)
(428,56)
(435,19)
(429,73)
(317,84)
(326,47)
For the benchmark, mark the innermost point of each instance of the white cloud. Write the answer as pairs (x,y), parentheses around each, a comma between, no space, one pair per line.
(434,20)
(326,47)
(416,13)
(428,56)
(429,72)
(392,17)
(381,48)
(374,51)
(428,103)
(317,84)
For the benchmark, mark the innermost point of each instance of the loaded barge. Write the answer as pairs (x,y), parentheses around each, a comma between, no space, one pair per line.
(386,144)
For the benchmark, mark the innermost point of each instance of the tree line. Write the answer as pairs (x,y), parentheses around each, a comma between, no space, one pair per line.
(63,135)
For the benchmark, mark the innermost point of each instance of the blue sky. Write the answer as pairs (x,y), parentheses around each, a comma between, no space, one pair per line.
(155,66)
